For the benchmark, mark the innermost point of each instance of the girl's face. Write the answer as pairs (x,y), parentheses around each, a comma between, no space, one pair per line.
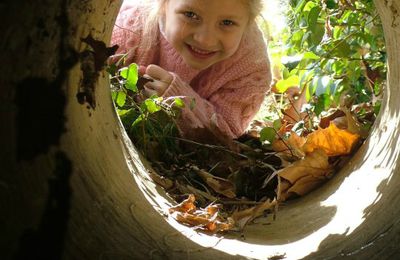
(205,32)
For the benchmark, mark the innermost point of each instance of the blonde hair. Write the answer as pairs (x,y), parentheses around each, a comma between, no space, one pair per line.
(156,9)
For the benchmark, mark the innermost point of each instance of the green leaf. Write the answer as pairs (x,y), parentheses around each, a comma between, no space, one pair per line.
(178,102)
(322,104)
(342,49)
(284,84)
(267,134)
(310,55)
(151,106)
(139,119)
(277,124)
(317,35)
(121,99)
(331,4)
(313,18)
(130,74)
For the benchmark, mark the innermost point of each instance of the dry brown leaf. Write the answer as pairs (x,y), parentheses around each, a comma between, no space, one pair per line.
(306,184)
(353,126)
(219,185)
(241,218)
(292,147)
(341,122)
(331,116)
(304,175)
(297,99)
(332,140)
(161,180)
(315,164)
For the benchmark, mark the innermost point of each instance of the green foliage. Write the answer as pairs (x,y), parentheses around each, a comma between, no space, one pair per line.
(148,121)
(331,48)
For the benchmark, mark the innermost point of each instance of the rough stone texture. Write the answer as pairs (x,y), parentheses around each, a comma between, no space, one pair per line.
(72,187)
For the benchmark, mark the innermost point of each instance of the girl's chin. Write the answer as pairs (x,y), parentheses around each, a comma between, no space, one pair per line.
(198,65)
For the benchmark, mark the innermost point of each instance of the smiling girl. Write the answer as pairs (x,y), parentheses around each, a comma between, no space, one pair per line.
(207,50)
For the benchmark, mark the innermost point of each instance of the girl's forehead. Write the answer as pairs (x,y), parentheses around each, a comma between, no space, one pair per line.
(217,7)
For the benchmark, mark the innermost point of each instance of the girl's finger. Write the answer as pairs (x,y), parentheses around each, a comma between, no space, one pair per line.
(157,86)
(159,73)
(148,92)
(142,70)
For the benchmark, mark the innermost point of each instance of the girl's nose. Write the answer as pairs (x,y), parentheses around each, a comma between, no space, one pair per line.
(205,36)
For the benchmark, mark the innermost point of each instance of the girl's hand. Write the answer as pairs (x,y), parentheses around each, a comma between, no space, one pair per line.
(162,80)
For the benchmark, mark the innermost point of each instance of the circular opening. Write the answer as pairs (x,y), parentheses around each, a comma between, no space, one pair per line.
(104,214)
(310,224)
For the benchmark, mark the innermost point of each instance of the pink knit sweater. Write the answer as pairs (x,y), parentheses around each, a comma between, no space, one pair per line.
(227,95)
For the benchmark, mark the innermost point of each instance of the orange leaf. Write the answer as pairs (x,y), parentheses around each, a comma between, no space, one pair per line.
(185,206)
(206,219)
(332,140)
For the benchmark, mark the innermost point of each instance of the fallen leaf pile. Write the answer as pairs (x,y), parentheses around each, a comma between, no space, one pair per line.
(223,190)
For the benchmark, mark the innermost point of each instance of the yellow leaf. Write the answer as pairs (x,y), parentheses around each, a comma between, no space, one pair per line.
(332,140)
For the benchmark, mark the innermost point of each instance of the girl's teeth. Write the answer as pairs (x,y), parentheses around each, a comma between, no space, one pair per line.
(200,51)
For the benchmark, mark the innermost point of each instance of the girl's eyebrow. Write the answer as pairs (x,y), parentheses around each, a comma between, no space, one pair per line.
(187,6)
(231,17)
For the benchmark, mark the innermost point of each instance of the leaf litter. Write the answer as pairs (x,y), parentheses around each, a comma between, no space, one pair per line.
(222,188)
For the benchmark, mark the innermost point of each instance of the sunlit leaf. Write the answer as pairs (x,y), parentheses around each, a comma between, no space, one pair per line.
(178,102)
(121,98)
(185,206)
(332,140)
(206,219)
(130,74)
(284,84)
(152,106)
(310,55)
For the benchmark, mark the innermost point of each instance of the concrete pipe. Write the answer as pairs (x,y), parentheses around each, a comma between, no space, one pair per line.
(72,185)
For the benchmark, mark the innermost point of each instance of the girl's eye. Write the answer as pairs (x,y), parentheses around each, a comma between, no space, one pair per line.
(191,15)
(227,23)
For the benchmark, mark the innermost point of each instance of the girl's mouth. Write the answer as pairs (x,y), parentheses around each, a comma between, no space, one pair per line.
(199,53)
